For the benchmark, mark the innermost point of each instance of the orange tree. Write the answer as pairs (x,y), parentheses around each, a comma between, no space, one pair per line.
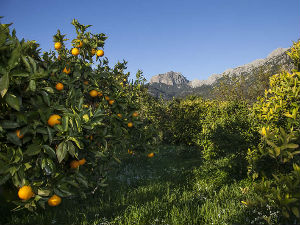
(60,120)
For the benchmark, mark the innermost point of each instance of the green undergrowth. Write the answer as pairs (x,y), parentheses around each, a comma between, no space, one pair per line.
(173,187)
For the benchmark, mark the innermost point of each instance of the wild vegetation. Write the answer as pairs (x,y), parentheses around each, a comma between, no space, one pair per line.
(86,146)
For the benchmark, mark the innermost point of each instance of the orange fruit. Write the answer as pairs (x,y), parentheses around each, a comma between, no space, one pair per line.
(74,164)
(57,45)
(119,115)
(135,114)
(75,51)
(100,94)
(25,193)
(93,51)
(100,53)
(130,124)
(93,93)
(53,120)
(79,44)
(82,161)
(19,135)
(85,82)
(59,86)
(67,71)
(54,200)
(106,98)
(150,155)
(111,102)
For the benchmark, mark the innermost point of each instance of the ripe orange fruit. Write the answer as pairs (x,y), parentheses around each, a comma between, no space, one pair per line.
(25,193)
(59,86)
(150,155)
(85,82)
(93,51)
(135,114)
(93,93)
(75,51)
(100,93)
(119,115)
(53,120)
(106,98)
(130,124)
(111,102)
(67,71)
(74,164)
(57,45)
(19,135)
(100,53)
(54,200)
(82,161)
(79,44)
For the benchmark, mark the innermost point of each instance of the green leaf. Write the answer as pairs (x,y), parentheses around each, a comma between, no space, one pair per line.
(271,143)
(28,68)
(75,141)
(32,62)
(4,83)
(49,90)
(13,138)
(33,149)
(13,60)
(50,135)
(65,123)
(44,192)
(292,146)
(61,151)
(50,151)
(46,98)
(71,148)
(61,193)
(32,85)
(296,212)
(13,101)
(6,124)
(82,180)
(277,151)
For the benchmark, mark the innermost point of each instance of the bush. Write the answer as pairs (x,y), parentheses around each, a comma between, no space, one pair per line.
(276,159)
(59,123)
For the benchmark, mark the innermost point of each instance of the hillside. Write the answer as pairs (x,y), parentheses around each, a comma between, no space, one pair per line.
(175,84)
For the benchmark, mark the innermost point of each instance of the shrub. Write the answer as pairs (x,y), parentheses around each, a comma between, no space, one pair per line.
(45,133)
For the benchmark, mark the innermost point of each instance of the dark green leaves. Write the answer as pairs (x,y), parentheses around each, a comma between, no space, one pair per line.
(33,149)
(13,101)
(62,150)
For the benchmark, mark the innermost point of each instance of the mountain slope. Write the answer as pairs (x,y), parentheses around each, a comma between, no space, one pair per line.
(174,84)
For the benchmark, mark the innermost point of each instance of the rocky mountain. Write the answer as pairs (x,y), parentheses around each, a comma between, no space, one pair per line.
(174,84)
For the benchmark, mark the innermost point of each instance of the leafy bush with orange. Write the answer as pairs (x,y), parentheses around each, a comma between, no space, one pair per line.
(48,106)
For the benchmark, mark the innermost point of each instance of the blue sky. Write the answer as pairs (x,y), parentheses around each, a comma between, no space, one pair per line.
(194,37)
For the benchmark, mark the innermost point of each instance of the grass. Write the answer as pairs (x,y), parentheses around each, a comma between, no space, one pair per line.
(174,187)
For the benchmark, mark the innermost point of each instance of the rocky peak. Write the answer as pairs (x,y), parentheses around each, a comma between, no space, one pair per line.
(169,78)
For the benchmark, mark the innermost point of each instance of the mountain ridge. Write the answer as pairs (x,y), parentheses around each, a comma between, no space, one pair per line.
(172,84)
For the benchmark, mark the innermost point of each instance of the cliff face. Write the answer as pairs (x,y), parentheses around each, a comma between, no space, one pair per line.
(169,78)
(174,84)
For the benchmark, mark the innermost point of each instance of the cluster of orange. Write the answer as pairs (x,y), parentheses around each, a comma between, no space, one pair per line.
(75,51)
(26,193)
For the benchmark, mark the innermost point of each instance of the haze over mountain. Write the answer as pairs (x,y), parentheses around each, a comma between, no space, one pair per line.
(175,84)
